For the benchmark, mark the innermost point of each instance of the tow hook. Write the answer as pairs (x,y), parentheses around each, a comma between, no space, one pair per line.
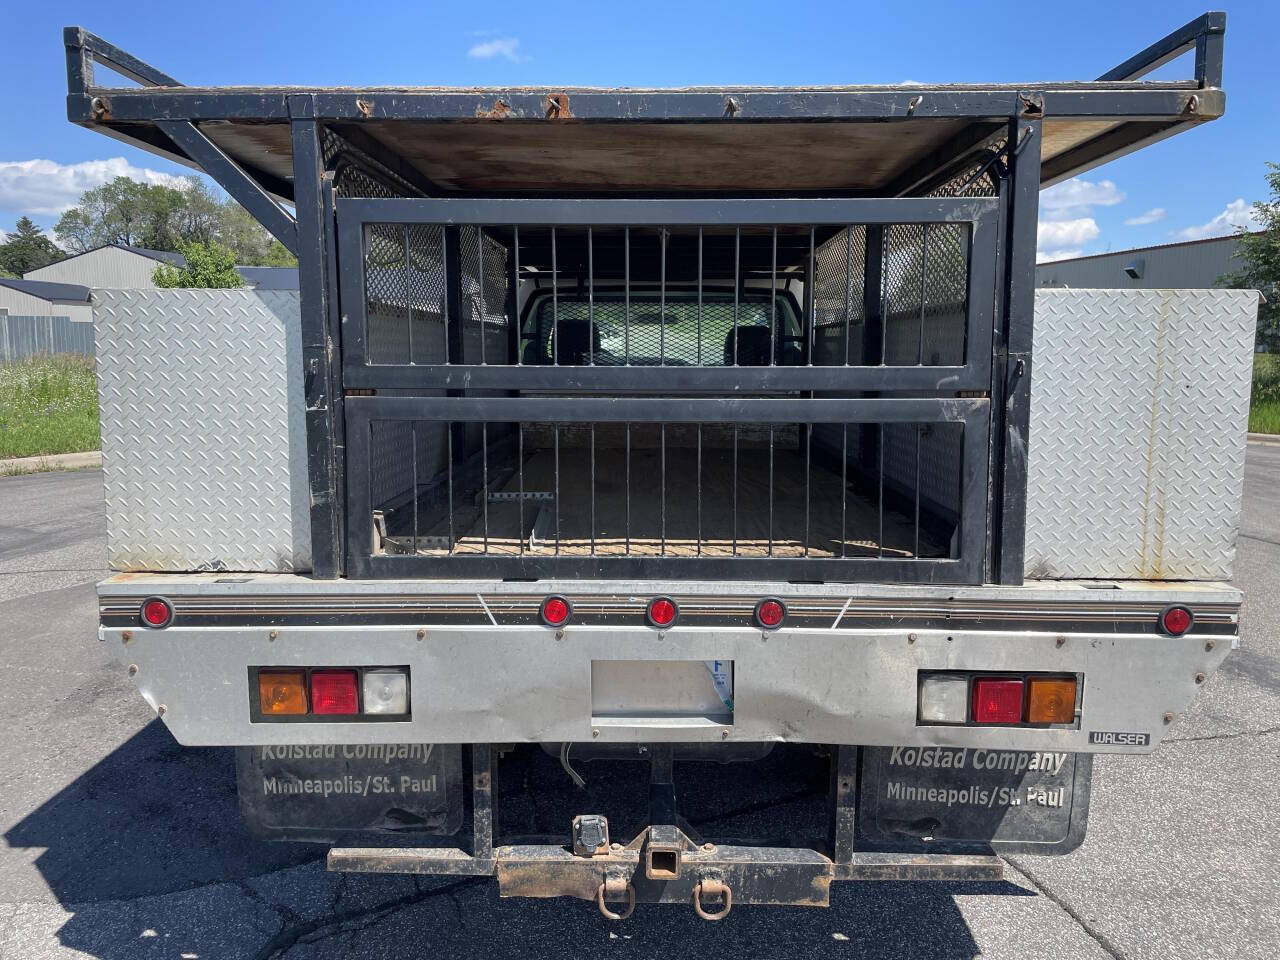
(712,887)
(615,885)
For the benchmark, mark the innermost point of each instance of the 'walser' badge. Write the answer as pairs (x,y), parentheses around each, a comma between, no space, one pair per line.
(1119,738)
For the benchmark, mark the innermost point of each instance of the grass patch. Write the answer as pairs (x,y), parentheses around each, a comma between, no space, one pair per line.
(48,404)
(1264,406)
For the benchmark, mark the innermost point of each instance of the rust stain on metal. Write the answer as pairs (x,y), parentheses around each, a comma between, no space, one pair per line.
(364,106)
(557,105)
(101,108)
(499,111)
(1032,105)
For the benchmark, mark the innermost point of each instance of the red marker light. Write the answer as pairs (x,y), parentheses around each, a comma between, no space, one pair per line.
(334,692)
(156,612)
(662,612)
(1176,620)
(770,613)
(997,700)
(555,611)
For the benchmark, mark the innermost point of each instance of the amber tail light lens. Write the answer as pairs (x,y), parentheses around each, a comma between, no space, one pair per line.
(282,692)
(1051,700)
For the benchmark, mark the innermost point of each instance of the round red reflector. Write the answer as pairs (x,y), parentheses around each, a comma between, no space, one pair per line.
(1176,620)
(156,612)
(662,612)
(770,613)
(555,611)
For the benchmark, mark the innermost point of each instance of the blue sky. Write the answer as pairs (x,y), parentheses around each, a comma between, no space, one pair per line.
(1195,184)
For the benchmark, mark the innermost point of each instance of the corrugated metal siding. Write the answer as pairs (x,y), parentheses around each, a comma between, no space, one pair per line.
(108,268)
(1190,266)
(19,304)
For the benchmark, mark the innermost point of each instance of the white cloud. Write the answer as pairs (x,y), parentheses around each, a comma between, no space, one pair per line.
(1059,234)
(1066,221)
(1237,214)
(505,47)
(45,187)
(1076,198)
(1044,257)
(1153,215)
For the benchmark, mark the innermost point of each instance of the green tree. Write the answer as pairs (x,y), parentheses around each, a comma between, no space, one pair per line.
(27,249)
(1259,252)
(208,265)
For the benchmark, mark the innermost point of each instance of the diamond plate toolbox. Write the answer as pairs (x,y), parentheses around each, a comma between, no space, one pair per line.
(1139,410)
(203,432)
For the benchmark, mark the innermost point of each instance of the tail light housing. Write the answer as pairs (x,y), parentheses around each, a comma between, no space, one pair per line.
(662,612)
(1176,620)
(156,613)
(770,613)
(555,611)
(334,692)
(997,699)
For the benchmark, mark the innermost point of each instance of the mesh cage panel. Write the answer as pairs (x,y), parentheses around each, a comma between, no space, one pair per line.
(838,291)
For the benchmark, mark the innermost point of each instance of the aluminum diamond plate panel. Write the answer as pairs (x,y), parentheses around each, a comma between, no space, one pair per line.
(203,433)
(1139,408)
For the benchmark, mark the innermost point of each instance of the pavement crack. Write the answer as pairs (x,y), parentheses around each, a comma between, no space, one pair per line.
(1265,732)
(287,916)
(348,922)
(1100,939)
(1246,536)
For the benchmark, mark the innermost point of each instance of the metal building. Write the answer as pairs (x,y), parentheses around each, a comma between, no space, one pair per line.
(1191,265)
(120,267)
(36,298)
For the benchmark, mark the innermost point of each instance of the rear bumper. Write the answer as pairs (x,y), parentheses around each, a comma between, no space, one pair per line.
(843,670)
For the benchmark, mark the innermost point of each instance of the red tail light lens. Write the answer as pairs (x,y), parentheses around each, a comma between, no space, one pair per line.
(555,611)
(1176,621)
(997,700)
(662,612)
(770,613)
(334,692)
(156,612)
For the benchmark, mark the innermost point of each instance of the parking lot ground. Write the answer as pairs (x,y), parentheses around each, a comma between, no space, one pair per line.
(118,843)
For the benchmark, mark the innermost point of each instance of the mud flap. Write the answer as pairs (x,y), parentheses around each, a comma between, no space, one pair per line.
(1017,801)
(327,793)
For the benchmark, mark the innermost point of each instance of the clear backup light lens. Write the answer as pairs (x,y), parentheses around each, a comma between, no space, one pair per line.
(386,691)
(944,698)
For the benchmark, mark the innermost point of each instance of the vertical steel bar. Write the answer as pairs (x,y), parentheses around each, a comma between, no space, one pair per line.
(808,447)
(408,296)
(916,552)
(413,438)
(811,298)
(515,317)
(771,489)
(844,489)
(520,471)
(737,260)
(773,300)
(449,433)
(880,508)
(447,292)
(699,318)
(626,307)
(924,274)
(555,304)
(593,489)
(628,490)
(555,433)
(591,339)
(699,550)
(662,474)
(848,290)
(662,297)
(484,479)
(735,490)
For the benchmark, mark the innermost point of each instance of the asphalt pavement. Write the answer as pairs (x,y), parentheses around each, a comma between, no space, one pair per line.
(120,844)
